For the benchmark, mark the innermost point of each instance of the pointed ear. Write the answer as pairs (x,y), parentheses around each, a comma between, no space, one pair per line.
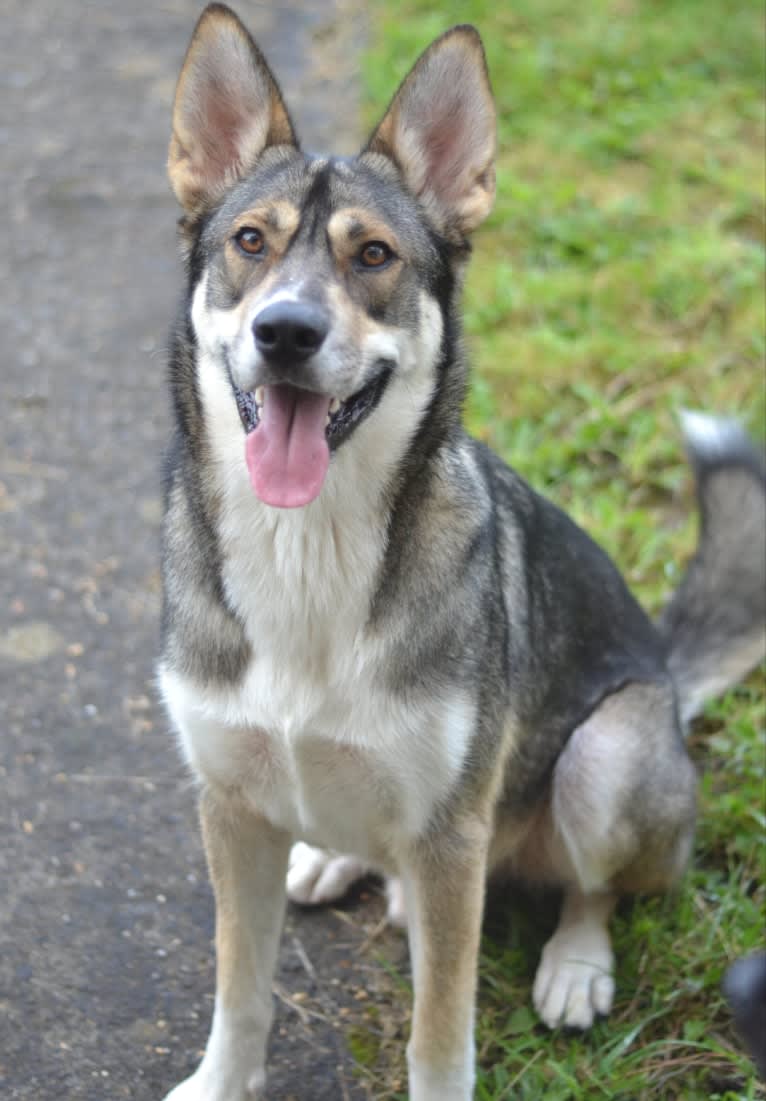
(440,131)
(227,110)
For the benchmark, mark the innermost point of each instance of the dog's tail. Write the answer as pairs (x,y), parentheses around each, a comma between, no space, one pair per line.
(715,623)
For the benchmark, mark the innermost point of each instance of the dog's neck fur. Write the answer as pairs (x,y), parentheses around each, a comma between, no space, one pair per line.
(294,573)
(389,456)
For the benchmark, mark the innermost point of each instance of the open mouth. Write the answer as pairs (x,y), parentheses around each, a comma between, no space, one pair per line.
(342,416)
(290,433)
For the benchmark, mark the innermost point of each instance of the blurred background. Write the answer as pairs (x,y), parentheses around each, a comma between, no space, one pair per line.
(620,277)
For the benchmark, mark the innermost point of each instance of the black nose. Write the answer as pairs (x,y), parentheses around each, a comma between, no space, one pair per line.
(290,332)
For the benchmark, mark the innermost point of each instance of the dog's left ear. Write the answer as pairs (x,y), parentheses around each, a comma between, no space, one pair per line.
(440,131)
(228,109)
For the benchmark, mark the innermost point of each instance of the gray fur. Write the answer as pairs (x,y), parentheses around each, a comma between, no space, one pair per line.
(716,621)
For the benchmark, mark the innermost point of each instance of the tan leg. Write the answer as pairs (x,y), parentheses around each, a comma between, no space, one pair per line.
(444,888)
(247,859)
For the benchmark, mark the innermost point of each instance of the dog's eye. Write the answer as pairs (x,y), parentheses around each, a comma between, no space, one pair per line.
(250,241)
(375,254)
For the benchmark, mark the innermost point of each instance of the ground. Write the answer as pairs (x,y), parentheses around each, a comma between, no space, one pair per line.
(106,971)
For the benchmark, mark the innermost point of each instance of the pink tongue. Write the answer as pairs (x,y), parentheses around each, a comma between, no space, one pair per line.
(287,454)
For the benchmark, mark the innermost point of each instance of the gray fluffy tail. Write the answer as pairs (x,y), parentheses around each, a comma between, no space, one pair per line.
(715,623)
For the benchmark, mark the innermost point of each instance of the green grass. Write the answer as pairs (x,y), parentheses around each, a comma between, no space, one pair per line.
(620,278)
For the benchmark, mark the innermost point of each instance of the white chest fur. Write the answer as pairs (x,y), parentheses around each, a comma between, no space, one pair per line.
(357,774)
(311,736)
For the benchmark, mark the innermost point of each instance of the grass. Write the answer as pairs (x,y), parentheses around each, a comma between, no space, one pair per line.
(620,278)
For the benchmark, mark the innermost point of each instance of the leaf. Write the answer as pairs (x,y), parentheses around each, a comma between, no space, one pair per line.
(522,1020)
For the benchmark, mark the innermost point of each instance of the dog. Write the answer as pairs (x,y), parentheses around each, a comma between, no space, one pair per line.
(377,639)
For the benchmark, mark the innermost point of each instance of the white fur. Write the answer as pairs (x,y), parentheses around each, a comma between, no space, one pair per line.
(289,292)
(357,775)
(396,910)
(311,737)
(214,1085)
(712,437)
(425,1084)
(234,1065)
(574,981)
(317,876)
(213,326)
(345,363)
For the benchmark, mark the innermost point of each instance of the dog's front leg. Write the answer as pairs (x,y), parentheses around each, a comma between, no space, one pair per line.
(444,887)
(247,860)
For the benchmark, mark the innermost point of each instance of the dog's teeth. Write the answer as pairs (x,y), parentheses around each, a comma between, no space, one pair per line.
(334,405)
(259,395)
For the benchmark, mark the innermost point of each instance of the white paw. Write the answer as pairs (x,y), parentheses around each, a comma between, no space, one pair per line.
(318,875)
(396,911)
(189,1090)
(574,982)
(205,1086)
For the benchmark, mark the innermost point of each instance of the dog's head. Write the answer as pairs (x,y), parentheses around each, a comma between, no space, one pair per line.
(320,283)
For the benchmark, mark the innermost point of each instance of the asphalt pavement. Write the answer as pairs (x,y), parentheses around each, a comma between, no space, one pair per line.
(106,970)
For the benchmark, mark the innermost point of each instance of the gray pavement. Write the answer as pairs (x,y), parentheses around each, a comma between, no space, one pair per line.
(105,913)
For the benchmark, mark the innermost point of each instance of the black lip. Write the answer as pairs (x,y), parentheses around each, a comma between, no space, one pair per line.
(248,411)
(342,423)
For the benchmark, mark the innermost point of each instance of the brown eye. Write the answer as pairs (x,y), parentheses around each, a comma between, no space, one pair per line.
(250,241)
(375,254)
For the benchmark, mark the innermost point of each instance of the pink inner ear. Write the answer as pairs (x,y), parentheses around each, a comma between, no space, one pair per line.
(219,129)
(227,109)
(450,149)
(226,103)
(446,126)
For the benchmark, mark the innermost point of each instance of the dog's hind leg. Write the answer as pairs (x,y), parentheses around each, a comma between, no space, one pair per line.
(318,876)
(247,859)
(574,980)
(620,818)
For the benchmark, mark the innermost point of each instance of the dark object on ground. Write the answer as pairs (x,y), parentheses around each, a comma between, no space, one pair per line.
(745,988)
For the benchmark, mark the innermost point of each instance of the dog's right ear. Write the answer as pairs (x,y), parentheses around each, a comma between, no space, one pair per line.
(228,109)
(440,131)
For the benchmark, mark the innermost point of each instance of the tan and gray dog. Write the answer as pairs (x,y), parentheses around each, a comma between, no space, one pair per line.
(381,648)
